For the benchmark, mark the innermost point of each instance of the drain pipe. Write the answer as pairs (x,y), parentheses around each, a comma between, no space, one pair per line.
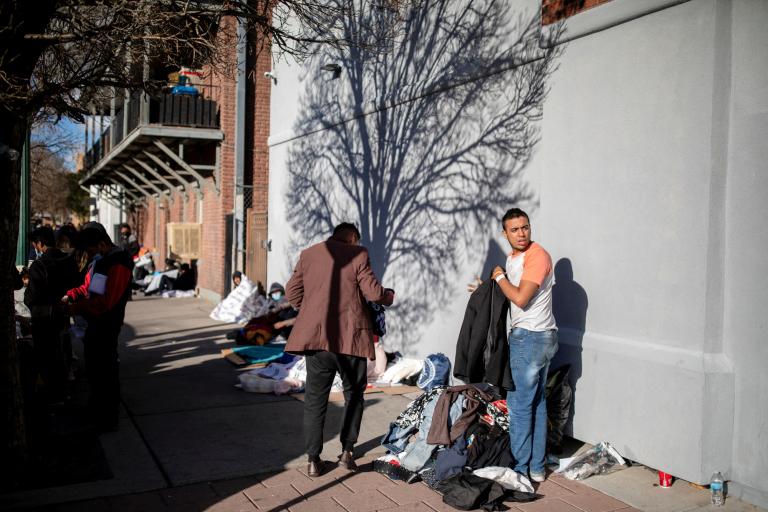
(238,224)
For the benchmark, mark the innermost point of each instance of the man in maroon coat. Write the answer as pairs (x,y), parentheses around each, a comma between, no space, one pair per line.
(330,286)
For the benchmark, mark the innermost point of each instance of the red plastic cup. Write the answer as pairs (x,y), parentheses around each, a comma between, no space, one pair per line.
(665,480)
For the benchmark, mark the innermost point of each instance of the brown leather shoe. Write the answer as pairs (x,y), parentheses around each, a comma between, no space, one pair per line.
(347,460)
(314,468)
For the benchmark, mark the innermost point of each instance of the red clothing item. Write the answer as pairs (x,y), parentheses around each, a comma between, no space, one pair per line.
(118,279)
(81,292)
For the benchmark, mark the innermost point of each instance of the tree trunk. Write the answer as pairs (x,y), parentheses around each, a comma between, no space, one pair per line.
(14,451)
(17,62)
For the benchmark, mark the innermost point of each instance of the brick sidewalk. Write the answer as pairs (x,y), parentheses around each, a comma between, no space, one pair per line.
(337,490)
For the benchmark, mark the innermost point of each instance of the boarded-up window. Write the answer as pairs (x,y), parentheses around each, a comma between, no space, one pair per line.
(553,11)
(184,240)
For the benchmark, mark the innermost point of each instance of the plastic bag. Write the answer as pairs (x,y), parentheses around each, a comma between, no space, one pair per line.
(402,369)
(506,477)
(559,395)
(600,459)
(254,384)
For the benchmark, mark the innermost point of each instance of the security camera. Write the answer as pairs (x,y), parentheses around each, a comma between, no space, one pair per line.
(335,70)
(270,74)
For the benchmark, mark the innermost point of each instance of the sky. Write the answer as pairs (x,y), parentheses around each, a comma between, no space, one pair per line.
(70,129)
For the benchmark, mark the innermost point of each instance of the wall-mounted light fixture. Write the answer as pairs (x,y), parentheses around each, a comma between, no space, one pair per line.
(335,70)
(271,75)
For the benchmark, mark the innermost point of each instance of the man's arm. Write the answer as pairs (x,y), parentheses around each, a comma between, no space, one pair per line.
(536,268)
(285,323)
(294,288)
(118,279)
(521,295)
(370,286)
(133,246)
(79,292)
(33,295)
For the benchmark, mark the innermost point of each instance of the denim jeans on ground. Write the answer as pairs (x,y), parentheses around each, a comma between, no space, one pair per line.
(529,355)
(418,452)
(396,439)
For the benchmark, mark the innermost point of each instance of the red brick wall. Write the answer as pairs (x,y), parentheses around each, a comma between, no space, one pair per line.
(553,11)
(216,206)
(260,90)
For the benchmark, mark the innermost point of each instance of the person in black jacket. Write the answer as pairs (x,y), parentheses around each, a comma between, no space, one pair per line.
(50,276)
(128,240)
(186,280)
(103,306)
(482,352)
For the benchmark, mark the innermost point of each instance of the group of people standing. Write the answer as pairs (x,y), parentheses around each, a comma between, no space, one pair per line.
(330,286)
(84,274)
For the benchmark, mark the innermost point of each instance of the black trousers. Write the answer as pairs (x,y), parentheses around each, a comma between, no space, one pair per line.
(321,369)
(101,365)
(49,356)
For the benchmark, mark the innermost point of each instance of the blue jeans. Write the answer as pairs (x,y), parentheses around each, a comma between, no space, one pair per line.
(396,439)
(418,452)
(529,355)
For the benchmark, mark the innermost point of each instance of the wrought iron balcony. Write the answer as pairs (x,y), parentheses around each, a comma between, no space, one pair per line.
(154,145)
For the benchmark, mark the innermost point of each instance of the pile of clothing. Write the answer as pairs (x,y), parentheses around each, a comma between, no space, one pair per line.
(456,439)
(286,373)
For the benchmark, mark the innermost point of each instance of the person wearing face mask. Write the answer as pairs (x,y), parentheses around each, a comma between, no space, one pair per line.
(50,275)
(101,299)
(277,293)
(286,315)
(128,240)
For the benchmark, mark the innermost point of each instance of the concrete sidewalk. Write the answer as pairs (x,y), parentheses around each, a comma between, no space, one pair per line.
(190,440)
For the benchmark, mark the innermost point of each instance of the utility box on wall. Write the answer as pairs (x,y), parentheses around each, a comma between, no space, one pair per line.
(184,240)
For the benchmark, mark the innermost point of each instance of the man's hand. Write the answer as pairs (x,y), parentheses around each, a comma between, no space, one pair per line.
(389,296)
(279,325)
(471,287)
(65,299)
(497,272)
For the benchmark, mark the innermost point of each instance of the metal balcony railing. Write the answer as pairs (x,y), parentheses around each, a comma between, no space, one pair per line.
(166,109)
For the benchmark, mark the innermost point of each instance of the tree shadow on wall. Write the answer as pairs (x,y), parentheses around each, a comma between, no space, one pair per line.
(422,145)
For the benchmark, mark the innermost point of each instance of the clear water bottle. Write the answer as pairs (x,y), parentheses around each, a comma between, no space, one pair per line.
(716,487)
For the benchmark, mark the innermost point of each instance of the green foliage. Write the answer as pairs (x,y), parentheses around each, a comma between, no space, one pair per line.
(77,200)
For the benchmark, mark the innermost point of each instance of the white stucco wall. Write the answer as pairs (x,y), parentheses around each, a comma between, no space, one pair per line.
(650,130)
(106,213)
(437,333)
(746,241)
(650,188)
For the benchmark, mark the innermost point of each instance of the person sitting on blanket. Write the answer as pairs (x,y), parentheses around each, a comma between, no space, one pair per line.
(285,312)
(278,321)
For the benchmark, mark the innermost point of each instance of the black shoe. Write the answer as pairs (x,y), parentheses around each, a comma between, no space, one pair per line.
(347,460)
(314,468)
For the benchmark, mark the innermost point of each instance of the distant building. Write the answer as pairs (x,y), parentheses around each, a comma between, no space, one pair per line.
(188,168)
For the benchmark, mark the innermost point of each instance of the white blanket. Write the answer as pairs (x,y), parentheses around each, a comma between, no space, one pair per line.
(242,304)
